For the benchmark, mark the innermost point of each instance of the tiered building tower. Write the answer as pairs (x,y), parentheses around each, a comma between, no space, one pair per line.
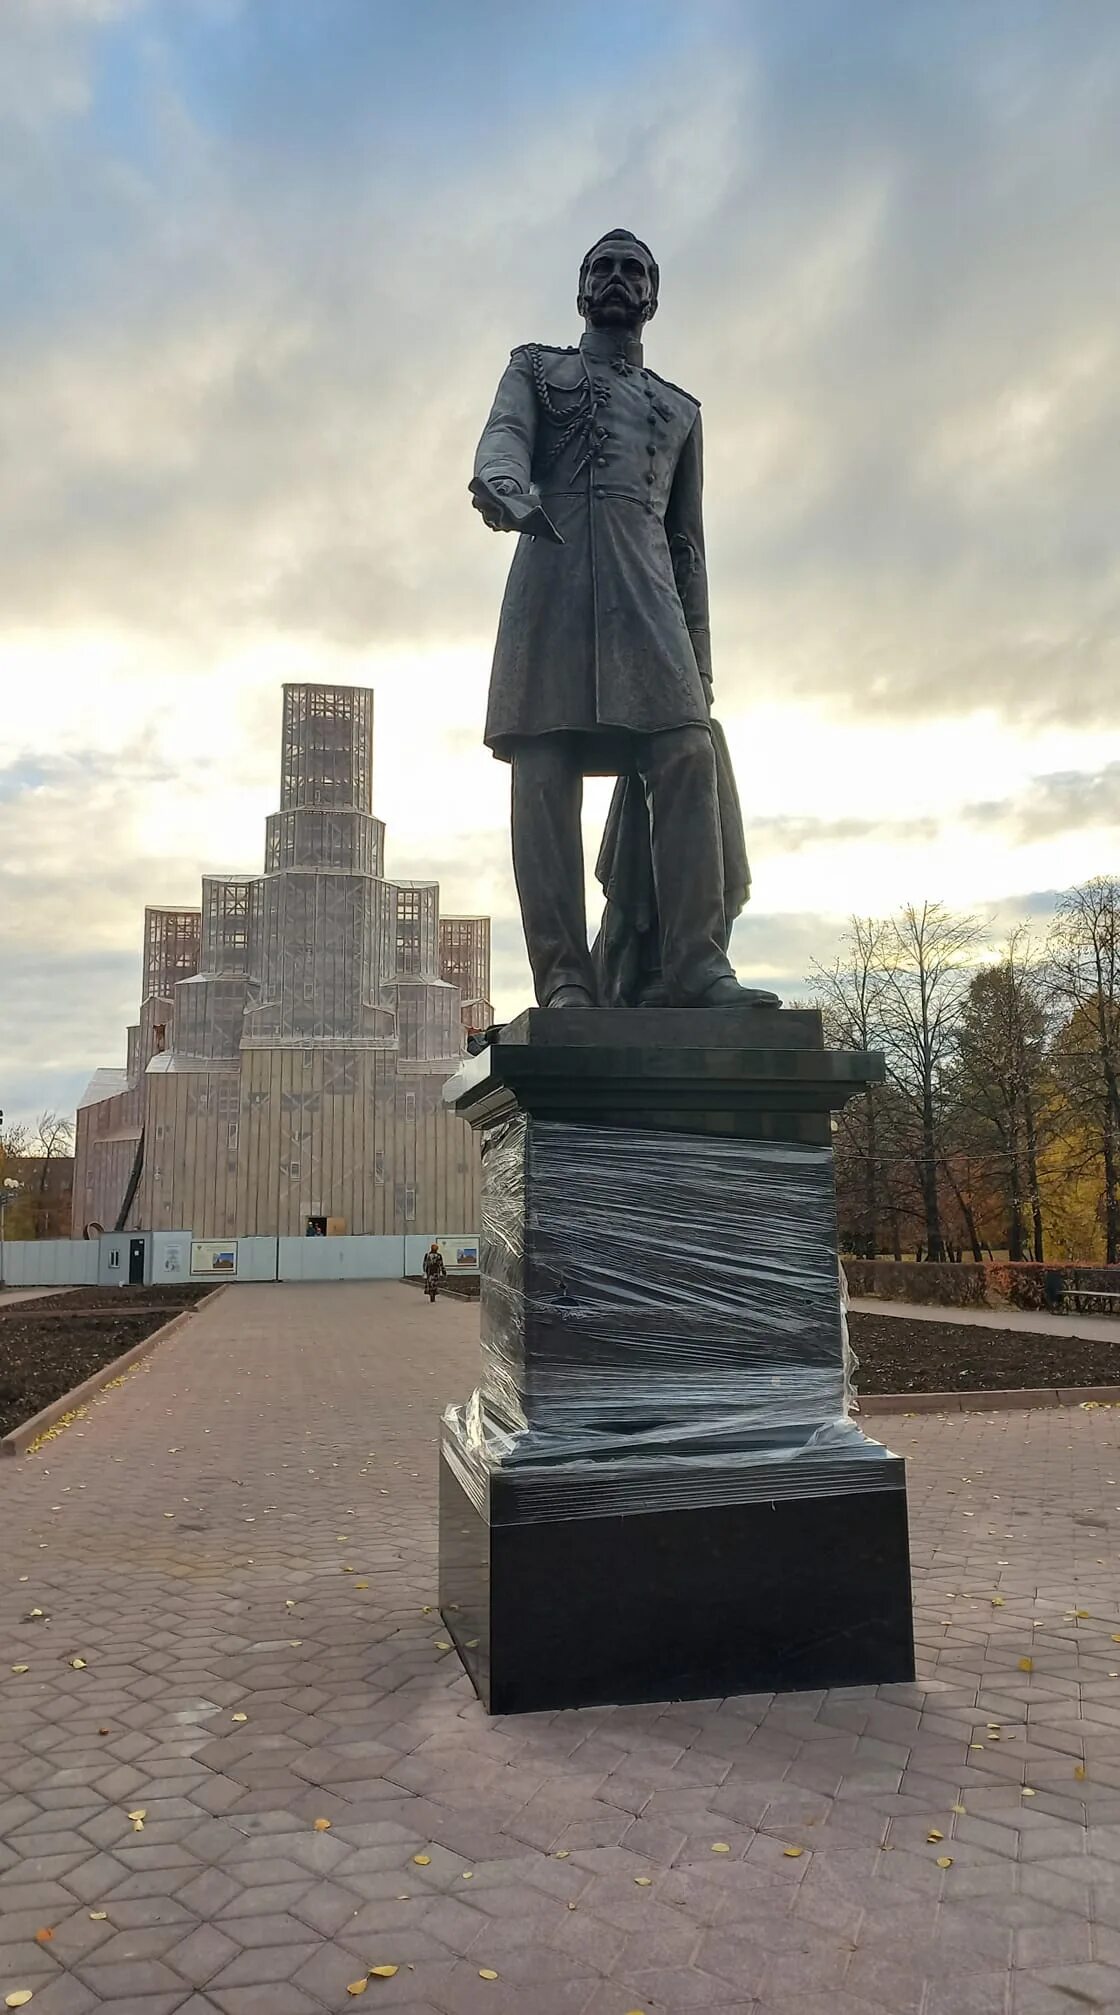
(295,1030)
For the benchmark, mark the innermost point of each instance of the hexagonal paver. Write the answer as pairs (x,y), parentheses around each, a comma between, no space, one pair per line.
(946,1848)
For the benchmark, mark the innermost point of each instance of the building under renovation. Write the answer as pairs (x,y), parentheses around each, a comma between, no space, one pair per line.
(284,1075)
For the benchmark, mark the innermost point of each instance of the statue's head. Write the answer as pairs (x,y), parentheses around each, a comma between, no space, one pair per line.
(618,283)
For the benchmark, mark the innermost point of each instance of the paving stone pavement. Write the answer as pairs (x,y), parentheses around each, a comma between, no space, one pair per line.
(221,1583)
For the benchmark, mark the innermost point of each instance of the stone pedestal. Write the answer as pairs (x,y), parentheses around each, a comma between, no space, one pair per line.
(656,1491)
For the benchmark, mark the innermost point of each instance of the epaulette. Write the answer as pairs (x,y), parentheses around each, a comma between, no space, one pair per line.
(668,383)
(554,349)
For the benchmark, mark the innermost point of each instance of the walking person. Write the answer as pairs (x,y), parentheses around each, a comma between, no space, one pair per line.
(434,1270)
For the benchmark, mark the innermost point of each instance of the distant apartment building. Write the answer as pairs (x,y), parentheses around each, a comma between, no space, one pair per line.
(285,1071)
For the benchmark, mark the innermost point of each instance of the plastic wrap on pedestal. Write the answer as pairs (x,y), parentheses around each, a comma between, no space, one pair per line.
(661,1322)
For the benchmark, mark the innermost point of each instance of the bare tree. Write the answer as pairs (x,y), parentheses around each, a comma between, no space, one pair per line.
(930,956)
(54,1140)
(851,999)
(1084,948)
(15,1144)
(1005,1085)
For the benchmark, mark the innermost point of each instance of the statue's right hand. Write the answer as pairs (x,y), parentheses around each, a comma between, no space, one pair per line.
(502,486)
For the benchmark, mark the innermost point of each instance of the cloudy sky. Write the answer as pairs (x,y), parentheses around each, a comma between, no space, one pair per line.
(261,264)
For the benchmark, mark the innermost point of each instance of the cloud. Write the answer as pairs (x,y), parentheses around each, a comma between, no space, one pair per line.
(882,270)
(259,272)
(64,1012)
(1066,801)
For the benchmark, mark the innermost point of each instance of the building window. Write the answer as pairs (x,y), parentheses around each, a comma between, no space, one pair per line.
(410,1105)
(231,1134)
(409,1203)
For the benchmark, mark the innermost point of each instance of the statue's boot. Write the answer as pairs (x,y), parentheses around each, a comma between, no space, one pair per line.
(728,992)
(570,997)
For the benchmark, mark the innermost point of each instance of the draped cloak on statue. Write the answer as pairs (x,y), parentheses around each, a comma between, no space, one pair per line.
(625,953)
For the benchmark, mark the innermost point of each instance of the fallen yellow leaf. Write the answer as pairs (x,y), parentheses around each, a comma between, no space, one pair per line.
(1026,1665)
(357,1986)
(383,1972)
(487,1973)
(99,1916)
(141,1812)
(442,1644)
(239,1717)
(643,1881)
(44,1936)
(997,1602)
(793,1853)
(1080,1772)
(19,1999)
(944,1860)
(21,1668)
(468,1874)
(361,1584)
(322,1826)
(422,1860)
(960,1809)
(933,1835)
(720,1847)
(1028,1793)
(78,1664)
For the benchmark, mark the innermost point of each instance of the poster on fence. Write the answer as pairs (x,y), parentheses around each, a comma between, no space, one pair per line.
(214,1255)
(460,1255)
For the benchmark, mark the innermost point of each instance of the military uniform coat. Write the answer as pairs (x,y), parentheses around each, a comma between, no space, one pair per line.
(608,632)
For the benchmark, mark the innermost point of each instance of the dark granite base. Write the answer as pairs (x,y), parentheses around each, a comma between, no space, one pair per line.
(678,1605)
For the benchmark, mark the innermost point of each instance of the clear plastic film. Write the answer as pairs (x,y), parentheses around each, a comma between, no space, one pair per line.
(662,1325)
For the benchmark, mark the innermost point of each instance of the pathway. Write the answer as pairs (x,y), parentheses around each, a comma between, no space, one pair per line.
(234,1554)
(11,1294)
(1037,1323)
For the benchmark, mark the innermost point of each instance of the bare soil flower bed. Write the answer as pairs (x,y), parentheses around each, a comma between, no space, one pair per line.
(48,1347)
(896,1355)
(169,1299)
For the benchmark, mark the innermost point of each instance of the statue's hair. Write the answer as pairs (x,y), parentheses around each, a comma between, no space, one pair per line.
(626,238)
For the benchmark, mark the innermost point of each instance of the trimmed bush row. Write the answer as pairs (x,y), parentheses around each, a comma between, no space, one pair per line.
(1069,1290)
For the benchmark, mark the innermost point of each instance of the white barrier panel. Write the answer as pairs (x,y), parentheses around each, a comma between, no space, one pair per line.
(169,1258)
(357,1258)
(50,1262)
(257,1259)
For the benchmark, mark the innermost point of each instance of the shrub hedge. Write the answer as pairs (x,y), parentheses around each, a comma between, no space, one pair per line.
(1080,1290)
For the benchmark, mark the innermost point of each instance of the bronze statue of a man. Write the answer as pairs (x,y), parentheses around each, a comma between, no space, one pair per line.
(603,662)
